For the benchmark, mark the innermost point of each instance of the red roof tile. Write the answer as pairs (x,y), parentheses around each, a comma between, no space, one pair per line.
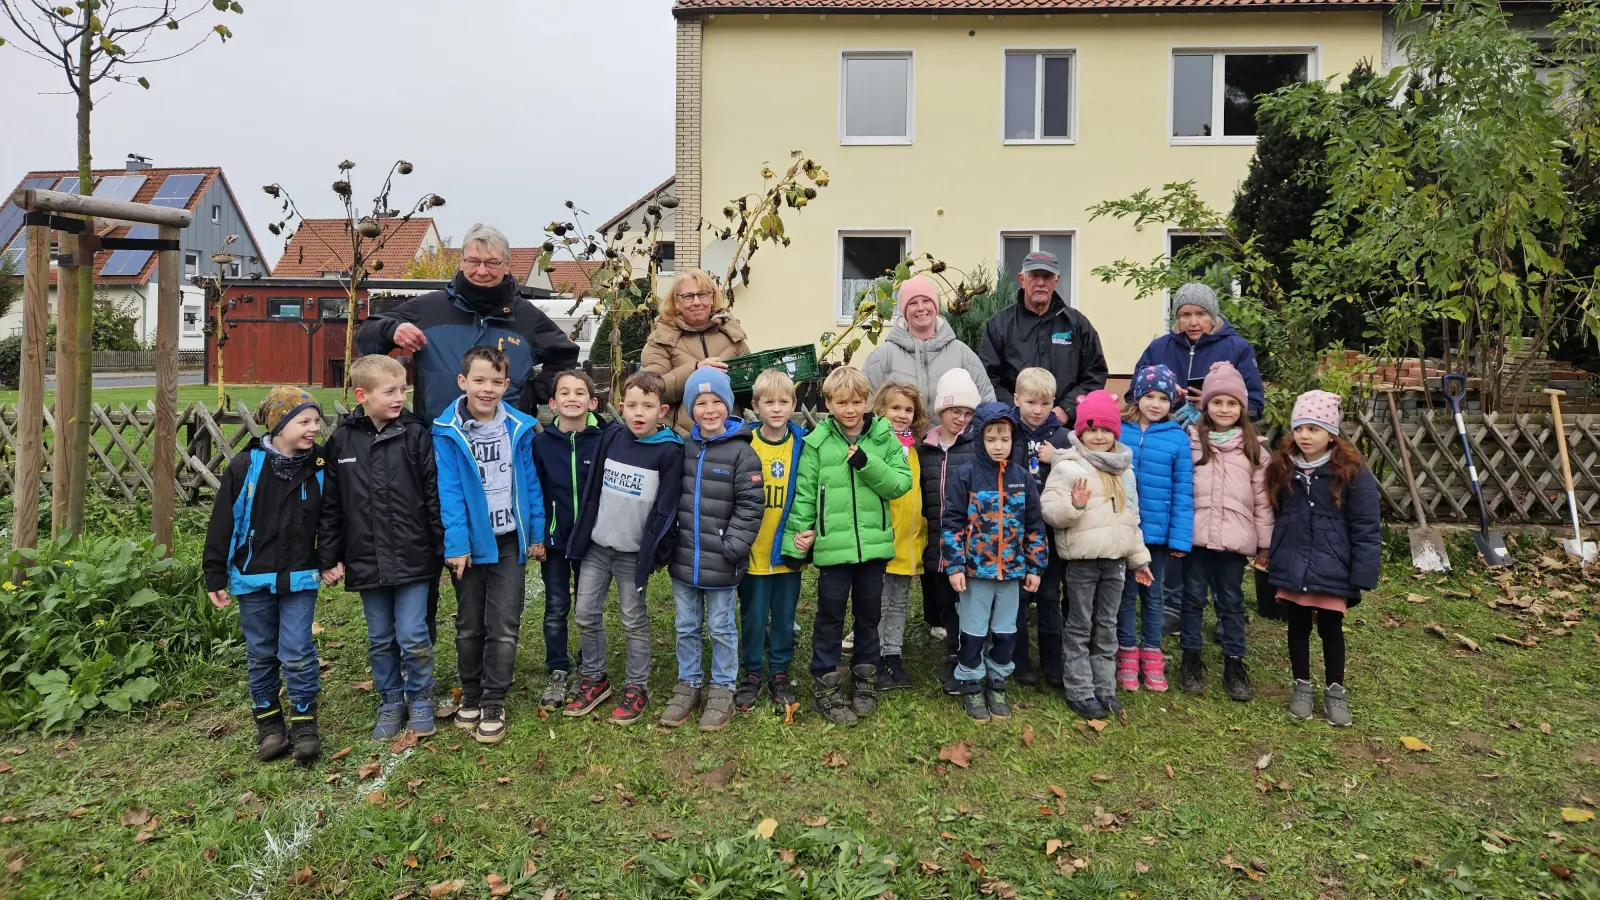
(1001,6)
(570,277)
(323,245)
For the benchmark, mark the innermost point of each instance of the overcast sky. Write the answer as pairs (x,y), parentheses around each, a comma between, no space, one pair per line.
(507,108)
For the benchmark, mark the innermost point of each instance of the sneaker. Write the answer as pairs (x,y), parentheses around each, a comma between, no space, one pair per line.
(1111,703)
(1128,668)
(719,708)
(591,692)
(864,698)
(892,674)
(782,692)
(420,712)
(1236,679)
(749,692)
(272,735)
(1153,670)
(468,714)
(848,644)
(492,725)
(1300,700)
(1335,706)
(391,718)
(973,701)
(938,634)
(952,687)
(1088,708)
(684,701)
(630,708)
(995,696)
(557,692)
(1192,676)
(827,702)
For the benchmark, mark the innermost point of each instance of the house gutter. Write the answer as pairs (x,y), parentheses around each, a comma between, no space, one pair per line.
(692,12)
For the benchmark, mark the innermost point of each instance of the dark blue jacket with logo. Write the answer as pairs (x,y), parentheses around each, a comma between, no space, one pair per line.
(1061,340)
(1051,432)
(1319,547)
(462,504)
(660,452)
(719,508)
(564,462)
(1194,360)
(451,325)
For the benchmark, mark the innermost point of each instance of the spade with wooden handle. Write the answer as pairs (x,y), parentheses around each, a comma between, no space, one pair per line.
(1577,547)
(1428,553)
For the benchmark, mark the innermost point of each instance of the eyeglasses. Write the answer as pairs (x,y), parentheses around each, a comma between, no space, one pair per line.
(696,296)
(470,263)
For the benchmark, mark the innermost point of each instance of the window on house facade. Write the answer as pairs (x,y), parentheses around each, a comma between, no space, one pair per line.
(666,257)
(191,263)
(1038,104)
(1016,245)
(284,308)
(216,215)
(235,269)
(875,98)
(191,320)
(1214,92)
(331,307)
(864,256)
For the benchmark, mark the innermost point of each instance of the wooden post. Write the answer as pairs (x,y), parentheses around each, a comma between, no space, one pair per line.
(30,406)
(163,470)
(66,383)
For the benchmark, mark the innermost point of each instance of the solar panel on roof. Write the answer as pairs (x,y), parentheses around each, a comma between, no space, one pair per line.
(130,262)
(119,187)
(176,191)
(68,185)
(11,215)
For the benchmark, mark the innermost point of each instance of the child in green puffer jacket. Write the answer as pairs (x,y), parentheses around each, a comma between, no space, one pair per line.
(851,466)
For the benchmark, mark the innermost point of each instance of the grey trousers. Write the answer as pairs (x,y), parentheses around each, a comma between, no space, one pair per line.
(489,601)
(1089,641)
(892,625)
(600,565)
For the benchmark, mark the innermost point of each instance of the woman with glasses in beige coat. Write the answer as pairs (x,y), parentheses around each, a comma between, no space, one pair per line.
(694,329)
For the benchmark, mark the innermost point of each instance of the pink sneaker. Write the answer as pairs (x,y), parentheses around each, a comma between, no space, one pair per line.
(1128,668)
(1153,666)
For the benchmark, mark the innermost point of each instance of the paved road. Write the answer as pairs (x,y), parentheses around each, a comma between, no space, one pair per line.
(129,379)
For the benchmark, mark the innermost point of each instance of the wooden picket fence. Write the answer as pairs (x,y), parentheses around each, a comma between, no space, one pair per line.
(1516,457)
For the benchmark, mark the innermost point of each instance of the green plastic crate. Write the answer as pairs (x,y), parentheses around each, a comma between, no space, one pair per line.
(800,363)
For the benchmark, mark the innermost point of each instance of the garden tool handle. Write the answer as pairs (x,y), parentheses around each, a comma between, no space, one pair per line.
(1459,384)
(1566,461)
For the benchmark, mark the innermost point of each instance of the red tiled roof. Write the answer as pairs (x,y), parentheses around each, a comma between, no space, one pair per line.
(634,206)
(154,178)
(1001,6)
(323,245)
(570,277)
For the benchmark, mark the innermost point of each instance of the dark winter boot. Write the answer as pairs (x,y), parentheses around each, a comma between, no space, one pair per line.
(864,700)
(974,702)
(892,674)
(1236,679)
(303,731)
(1050,657)
(995,696)
(1192,677)
(272,736)
(828,703)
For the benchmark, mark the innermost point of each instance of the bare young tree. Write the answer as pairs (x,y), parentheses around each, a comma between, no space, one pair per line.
(97,44)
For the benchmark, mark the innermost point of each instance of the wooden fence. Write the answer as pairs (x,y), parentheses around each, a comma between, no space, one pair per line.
(1516,457)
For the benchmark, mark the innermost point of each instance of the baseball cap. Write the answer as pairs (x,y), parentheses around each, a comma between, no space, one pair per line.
(1040,261)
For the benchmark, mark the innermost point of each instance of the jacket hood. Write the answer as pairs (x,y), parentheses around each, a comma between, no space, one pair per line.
(663,435)
(1049,426)
(516,422)
(943,334)
(670,331)
(989,413)
(358,418)
(733,427)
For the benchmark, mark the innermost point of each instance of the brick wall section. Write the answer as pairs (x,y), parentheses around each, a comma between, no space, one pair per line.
(687,230)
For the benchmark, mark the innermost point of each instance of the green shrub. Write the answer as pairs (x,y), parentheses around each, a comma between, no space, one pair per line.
(96,623)
(989,299)
(10,361)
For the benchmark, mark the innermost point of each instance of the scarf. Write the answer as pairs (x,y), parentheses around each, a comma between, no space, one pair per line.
(1222,437)
(284,468)
(486,301)
(1305,469)
(907,439)
(1110,464)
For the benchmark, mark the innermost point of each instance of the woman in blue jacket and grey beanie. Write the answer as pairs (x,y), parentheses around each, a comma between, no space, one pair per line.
(1200,337)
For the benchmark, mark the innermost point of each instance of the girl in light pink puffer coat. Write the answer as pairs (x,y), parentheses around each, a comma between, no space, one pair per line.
(1232,525)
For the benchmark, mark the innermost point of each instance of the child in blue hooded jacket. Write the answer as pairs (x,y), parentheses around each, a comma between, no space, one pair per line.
(493,514)
(1164,471)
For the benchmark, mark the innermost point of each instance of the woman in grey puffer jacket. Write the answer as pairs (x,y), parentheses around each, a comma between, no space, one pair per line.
(923,347)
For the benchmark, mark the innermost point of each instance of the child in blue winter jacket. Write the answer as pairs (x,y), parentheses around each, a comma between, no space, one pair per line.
(1164,471)
(493,514)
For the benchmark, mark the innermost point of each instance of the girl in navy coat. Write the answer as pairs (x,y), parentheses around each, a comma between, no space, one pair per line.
(1164,470)
(1325,544)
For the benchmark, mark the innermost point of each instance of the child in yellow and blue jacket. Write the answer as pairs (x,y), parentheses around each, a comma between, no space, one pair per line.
(901,403)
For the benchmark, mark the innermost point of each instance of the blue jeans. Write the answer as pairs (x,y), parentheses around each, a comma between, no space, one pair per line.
(560,576)
(701,610)
(277,636)
(1146,603)
(397,640)
(1223,574)
(987,608)
(766,621)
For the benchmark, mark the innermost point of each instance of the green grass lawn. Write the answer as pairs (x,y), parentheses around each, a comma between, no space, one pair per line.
(1194,797)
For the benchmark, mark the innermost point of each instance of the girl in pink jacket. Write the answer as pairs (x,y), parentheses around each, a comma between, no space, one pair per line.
(1232,525)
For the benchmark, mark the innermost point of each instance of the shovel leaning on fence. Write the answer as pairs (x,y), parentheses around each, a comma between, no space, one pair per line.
(1428,553)
(1490,543)
(1577,547)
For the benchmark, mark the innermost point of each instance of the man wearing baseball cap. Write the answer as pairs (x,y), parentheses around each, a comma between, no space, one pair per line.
(1042,330)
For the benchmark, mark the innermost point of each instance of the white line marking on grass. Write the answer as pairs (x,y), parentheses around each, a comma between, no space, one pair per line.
(280,855)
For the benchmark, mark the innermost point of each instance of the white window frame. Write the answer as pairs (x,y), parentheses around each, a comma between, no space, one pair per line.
(1219,54)
(216,214)
(911,97)
(1071,279)
(1071,53)
(188,270)
(236,269)
(905,233)
(199,321)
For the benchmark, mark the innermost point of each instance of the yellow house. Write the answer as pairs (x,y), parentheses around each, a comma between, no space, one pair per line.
(979,130)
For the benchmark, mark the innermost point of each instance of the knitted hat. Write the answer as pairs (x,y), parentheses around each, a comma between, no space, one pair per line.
(916,286)
(1098,409)
(956,388)
(708,380)
(1194,294)
(1223,381)
(281,404)
(1154,378)
(1319,408)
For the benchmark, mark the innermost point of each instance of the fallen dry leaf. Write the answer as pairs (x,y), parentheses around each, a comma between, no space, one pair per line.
(1098,725)
(410,861)
(1560,871)
(340,755)
(405,742)
(377,798)
(1027,735)
(1099,777)
(1574,815)
(529,869)
(1104,821)
(148,831)
(78,813)
(7,768)
(660,835)
(502,780)
(15,866)
(497,886)
(1141,866)
(1544,727)
(947,835)
(974,862)
(1051,846)
(1416,598)
(957,754)
(1170,773)
(369,770)
(303,876)
(815,821)
(446,888)
(362,686)
(1508,639)
(1060,793)
(833,759)
(1263,762)
(316,628)
(929,868)
(1466,642)
(1245,870)
(1414,745)
(1435,629)
(135,817)
(766,829)
(990,886)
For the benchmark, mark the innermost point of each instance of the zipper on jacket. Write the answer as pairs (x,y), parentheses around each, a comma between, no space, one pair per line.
(1000,524)
(705,351)
(822,510)
(572,458)
(699,466)
(855,519)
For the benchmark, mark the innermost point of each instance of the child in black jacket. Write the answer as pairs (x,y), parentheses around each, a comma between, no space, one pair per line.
(1326,545)
(1044,436)
(948,446)
(381,532)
